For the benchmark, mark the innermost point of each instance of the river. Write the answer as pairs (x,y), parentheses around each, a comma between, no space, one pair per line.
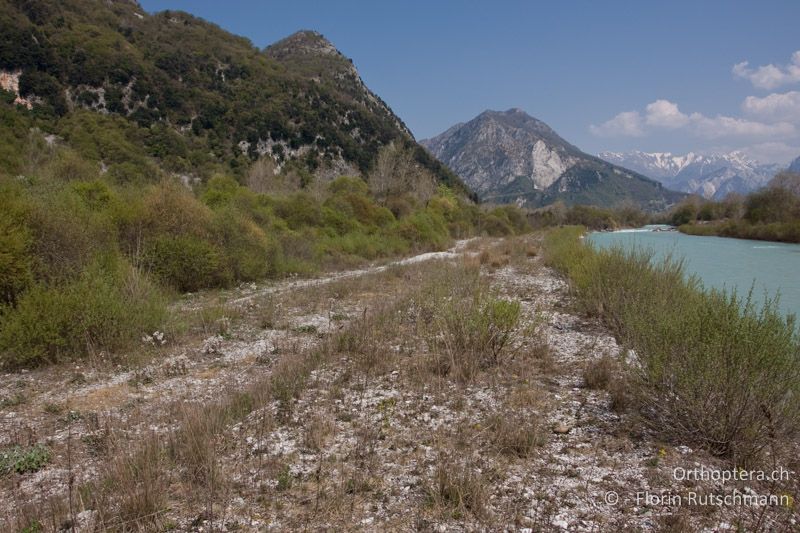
(770,268)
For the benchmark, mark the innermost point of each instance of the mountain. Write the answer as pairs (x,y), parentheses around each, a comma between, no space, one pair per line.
(794,166)
(173,91)
(512,157)
(711,176)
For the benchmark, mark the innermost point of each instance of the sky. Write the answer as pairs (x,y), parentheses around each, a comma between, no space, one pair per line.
(667,76)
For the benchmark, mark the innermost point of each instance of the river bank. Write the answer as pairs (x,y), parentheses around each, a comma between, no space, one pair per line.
(788,232)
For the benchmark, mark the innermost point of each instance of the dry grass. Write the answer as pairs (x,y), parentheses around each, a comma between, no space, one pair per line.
(317,431)
(467,327)
(599,373)
(498,253)
(516,434)
(458,489)
(133,492)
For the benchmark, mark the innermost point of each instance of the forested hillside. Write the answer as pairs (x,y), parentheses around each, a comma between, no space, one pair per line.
(193,97)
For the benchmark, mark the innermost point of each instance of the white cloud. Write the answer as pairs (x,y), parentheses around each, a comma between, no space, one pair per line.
(722,126)
(625,124)
(665,114)
(779,107)
(777,152)
(770,76)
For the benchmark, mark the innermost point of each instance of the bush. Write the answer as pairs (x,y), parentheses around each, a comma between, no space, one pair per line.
(298,210)
(423,229)
(710,368)
(470,328)
(16,271)
(66,233)
(772,204)
(186,263)
(496,226)
(170,208)
(105,308)
(248,252)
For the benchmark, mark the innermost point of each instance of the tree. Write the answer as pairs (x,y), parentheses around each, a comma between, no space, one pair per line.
(396,173)
(789,181)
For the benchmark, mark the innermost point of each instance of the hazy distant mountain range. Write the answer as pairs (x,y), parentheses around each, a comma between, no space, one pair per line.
(509,156)
(711,175)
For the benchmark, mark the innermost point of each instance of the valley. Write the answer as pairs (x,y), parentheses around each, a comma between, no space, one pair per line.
(238,294)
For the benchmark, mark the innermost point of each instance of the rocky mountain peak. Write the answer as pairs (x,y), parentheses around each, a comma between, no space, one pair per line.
(303,42)
(309,54)
(510,156)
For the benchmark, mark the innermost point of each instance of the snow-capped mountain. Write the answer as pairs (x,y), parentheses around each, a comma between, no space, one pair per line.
(709,175)
(795,165)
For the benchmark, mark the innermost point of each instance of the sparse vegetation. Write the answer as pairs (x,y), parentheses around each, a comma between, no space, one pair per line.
(469,329)
(600,373)
(458,488)
(516,434)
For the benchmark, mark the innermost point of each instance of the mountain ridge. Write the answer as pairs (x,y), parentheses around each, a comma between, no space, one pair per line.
(512,157)
(710,175)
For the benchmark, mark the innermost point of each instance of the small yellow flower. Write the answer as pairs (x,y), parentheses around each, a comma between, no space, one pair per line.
(662,452)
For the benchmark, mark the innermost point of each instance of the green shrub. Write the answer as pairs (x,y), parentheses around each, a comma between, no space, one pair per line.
(298,210)
(360,245)
(248,252)
(711,368)
(170,208)
(496,226)
(16,270)
(96,194)
(186,263)
(219,191)
(69,166)
(423,229)
(66,233)
(108,306)
(470,328)
(23,460)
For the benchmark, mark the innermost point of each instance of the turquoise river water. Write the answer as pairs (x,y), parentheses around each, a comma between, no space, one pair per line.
(769,268)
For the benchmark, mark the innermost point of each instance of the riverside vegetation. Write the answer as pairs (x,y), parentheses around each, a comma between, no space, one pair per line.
(145,156)
(706,367)
(770,214)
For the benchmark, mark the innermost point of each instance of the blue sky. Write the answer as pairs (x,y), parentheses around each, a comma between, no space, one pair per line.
(606,75)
